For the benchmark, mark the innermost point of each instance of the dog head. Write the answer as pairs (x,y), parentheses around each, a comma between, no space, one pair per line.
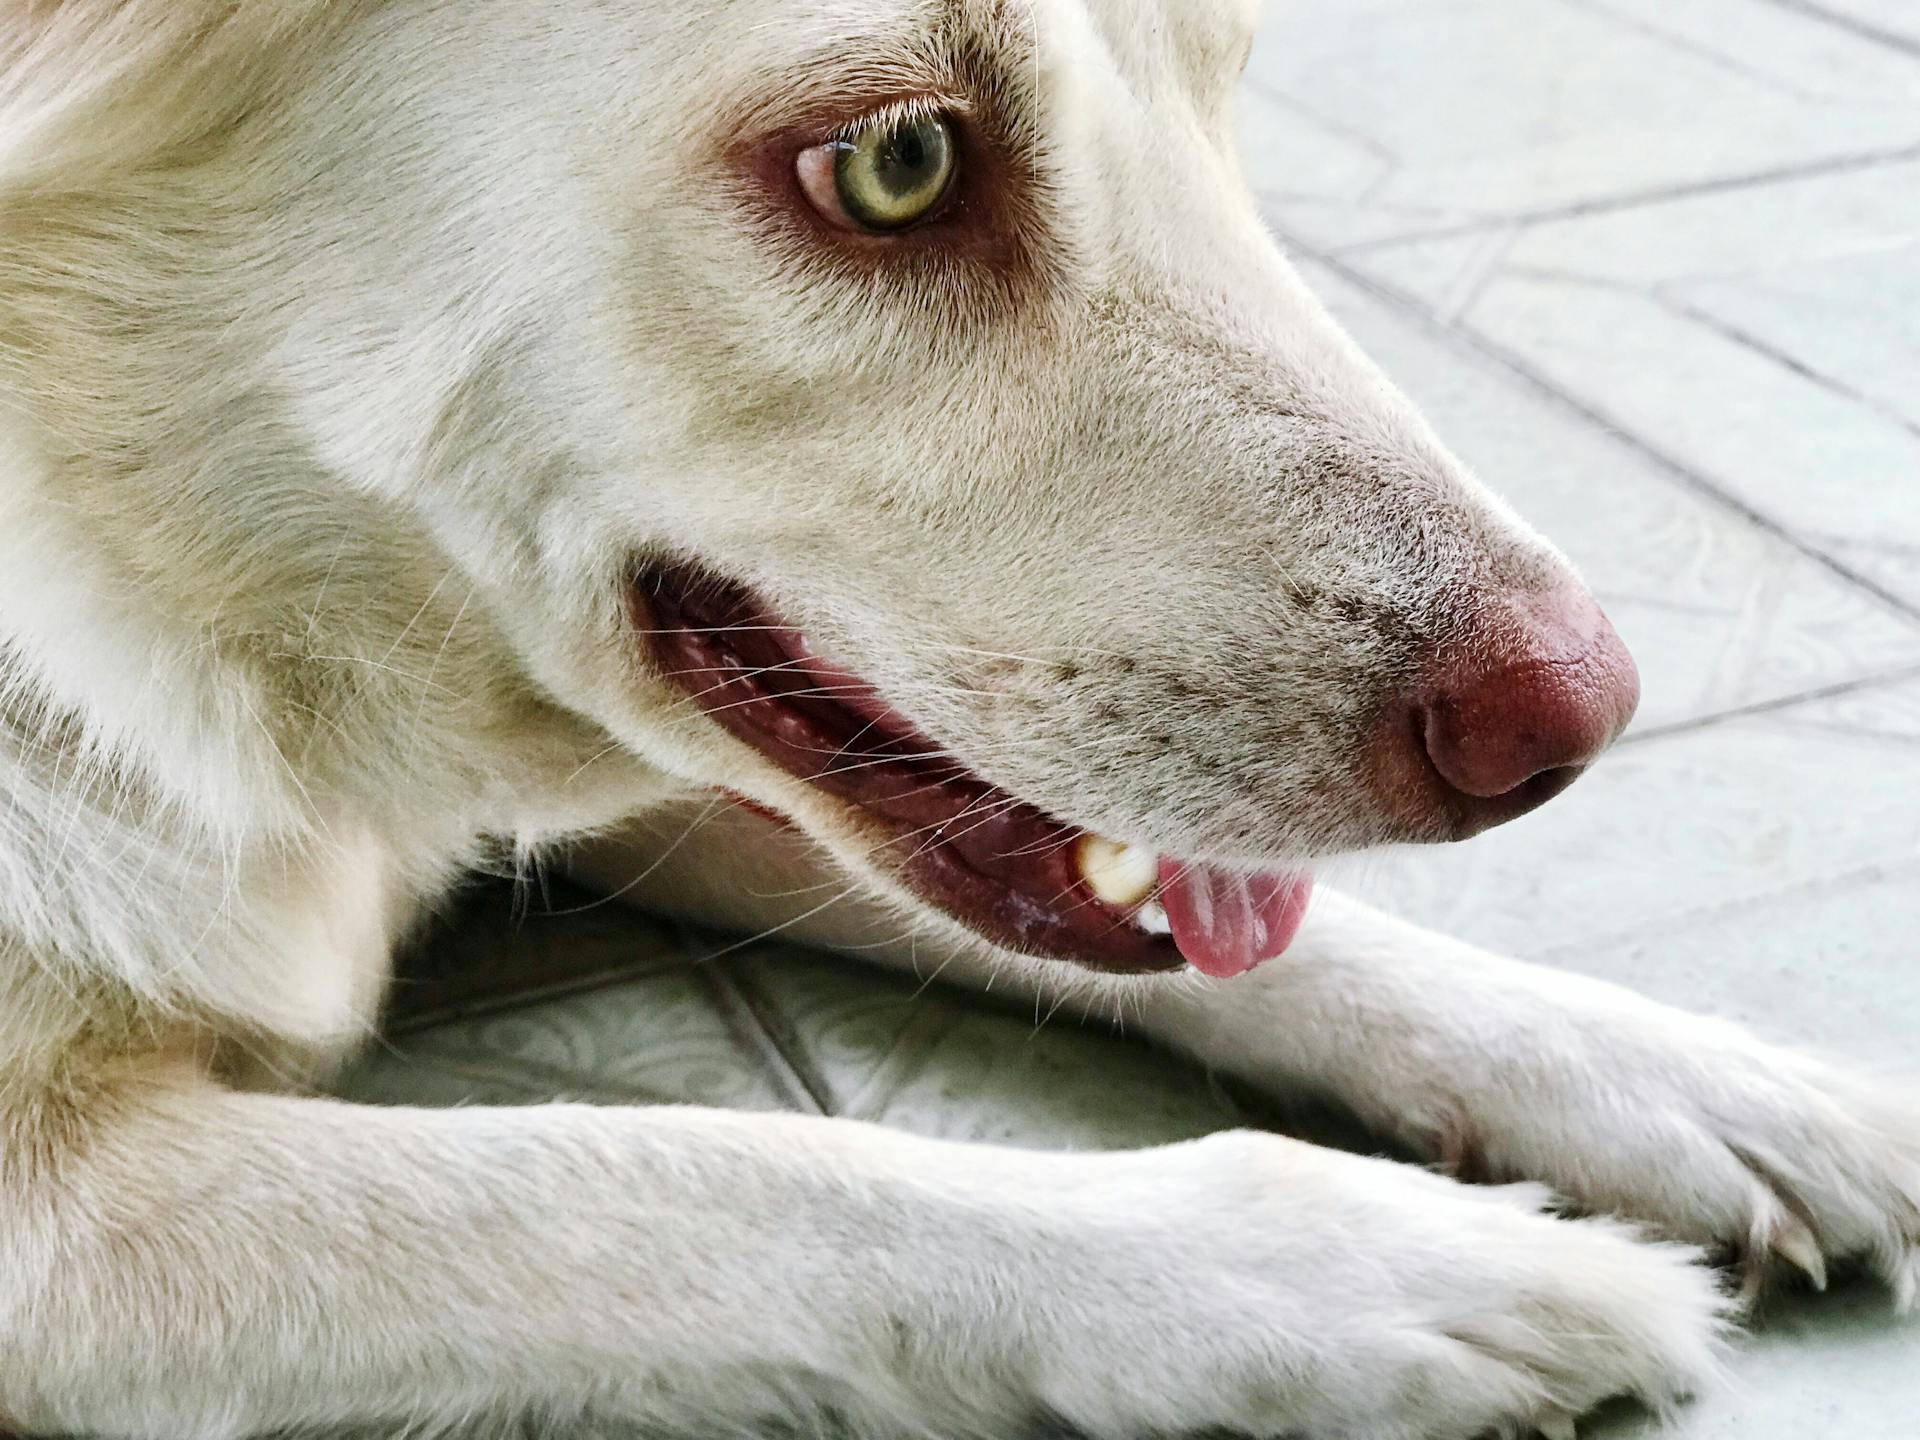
(895,412)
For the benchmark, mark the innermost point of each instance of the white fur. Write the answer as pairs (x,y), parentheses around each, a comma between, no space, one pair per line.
(350,352)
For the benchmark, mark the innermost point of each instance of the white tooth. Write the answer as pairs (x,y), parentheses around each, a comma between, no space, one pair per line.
(1121,875)
(1152,918)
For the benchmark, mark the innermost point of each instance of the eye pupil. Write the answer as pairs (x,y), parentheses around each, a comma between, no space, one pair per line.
(889,176)
(905,150)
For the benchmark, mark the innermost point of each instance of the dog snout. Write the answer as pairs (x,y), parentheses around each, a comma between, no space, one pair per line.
(1507,718)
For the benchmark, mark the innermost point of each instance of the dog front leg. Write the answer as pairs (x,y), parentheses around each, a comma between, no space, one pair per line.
(185,1261)
(1501,1069)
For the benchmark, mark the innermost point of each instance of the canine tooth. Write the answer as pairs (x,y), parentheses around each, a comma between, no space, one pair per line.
(1121,875)
(1152,918)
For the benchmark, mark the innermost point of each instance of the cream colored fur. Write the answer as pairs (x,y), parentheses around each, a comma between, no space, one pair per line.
(350,354)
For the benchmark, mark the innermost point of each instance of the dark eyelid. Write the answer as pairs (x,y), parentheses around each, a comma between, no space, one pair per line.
(987,221)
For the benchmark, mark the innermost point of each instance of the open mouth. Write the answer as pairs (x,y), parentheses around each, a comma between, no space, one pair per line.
(961,843)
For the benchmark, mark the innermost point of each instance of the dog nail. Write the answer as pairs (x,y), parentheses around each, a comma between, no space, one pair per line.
(1794,1243)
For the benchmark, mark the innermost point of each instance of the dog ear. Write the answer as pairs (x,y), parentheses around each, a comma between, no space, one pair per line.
(92,83)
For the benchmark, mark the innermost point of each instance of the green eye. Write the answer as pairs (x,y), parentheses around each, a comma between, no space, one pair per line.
(888,176)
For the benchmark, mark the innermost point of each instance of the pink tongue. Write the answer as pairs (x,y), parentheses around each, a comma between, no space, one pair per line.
(1226,923)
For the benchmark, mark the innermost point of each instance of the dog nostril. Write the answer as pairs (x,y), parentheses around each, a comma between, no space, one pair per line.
(1538,789)
(1542,690)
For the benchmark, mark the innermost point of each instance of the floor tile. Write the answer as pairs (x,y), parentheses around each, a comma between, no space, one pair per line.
(1830,965)
(1894,22)
(402,1075)
(995,1078)
(846,1027)
(1684,827)
(1719,612)
(1486,110)
(500,944)
(1815,460)
(1780,228)
(1794,49)
(676,1037)
(1744,335)
(927,1058)
(1834,1367)
(1831,318)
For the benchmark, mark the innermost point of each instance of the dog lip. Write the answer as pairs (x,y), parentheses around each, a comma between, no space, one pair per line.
(968,848)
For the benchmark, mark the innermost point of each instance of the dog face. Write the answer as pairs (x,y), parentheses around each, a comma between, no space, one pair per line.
(894,412)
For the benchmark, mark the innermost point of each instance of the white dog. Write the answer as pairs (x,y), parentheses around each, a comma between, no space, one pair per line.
(435,425)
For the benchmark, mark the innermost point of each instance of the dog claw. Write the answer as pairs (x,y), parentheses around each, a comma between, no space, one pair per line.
(1794,1243)
(1905,1280)
(1558,1427)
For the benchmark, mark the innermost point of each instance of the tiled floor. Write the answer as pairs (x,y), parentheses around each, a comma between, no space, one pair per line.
(1654,269)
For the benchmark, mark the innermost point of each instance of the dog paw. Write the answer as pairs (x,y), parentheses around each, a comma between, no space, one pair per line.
(1257,1285)
(1776,1159)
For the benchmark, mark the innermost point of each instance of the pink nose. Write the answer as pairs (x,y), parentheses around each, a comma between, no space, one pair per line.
(1529,700)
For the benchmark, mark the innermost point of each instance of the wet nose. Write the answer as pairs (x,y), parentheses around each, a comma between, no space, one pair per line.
(1509,717)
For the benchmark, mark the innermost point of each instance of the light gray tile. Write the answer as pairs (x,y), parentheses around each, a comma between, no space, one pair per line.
(673,1037)
(1830,966)
(1000,1078)
(1783,44)
(397,1076)
(1781,236)
(845,1026)
(1289,152)
(1719,613)
(1834,1367)
(1681,828)
(1772,228)
(1833,317)
(1819,462)
(924,1057)
(1898,20)
(1491,110)
(1760,336)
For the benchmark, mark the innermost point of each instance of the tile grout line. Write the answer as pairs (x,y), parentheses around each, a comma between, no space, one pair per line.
(1665,195)
(1733,334)
(1516,366)
(735,998)
(1886,680)
(1334,126)
(1852,24)
(1871,873)
(396,1025)
(1684,45)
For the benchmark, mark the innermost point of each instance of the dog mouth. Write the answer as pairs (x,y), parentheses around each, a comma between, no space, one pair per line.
(962,844)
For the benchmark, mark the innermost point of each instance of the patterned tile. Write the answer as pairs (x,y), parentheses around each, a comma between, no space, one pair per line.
(1689,828)
(1814,458)
(1835,1367)
(1376,118)
(514,999)
(502,944)
(927,1058)
(1892,22)
(673,1037)
(1744,335)
(1829,964)
(1006,1081)
(1720,613)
